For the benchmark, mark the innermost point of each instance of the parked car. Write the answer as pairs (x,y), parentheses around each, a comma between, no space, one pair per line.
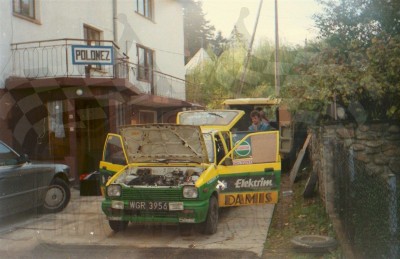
(25,185)
(183,174)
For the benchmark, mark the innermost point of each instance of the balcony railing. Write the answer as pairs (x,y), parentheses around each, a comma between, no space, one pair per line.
(53,58)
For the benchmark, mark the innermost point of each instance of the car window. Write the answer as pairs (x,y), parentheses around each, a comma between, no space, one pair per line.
(209,146)
(7,156)
(113,151)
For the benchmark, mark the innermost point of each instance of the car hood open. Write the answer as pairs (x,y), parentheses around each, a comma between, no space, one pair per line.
(164,143)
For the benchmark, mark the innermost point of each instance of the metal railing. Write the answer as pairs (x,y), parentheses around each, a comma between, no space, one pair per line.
(53,58)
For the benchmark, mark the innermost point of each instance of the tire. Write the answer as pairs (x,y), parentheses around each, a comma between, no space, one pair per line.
(117,225)
(309,189)
(57,196)
(314,243)
(211,223)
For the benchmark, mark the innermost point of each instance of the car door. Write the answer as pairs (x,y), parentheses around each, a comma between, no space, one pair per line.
(114,158)
(16,186)
(250,173)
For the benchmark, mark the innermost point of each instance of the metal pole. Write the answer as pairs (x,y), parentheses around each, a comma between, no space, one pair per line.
(249,50)
(115,22)
(277,81)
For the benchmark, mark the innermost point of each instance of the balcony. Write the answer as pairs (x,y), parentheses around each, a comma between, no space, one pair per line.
(54,59)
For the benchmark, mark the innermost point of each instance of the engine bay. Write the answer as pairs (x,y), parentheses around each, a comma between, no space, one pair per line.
(159,176)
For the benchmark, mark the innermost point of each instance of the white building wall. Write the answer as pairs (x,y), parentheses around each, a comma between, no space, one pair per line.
(65,19)
(163,34)
(6,37)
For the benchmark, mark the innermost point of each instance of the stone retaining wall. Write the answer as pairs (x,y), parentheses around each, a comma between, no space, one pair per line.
(376,145)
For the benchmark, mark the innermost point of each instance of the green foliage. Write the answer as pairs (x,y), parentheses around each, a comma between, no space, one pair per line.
(358,63)
(345,21)
(221,78)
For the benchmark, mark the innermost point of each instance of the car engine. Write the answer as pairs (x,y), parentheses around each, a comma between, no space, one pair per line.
(160,176)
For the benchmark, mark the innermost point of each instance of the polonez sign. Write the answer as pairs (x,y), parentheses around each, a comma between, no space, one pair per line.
(92,55)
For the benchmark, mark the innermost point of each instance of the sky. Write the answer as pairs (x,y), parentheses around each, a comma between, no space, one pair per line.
(294,18)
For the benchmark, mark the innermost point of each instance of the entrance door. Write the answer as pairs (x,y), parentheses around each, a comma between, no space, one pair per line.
(91,130)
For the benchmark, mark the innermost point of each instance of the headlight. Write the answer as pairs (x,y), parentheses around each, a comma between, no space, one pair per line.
(190,191)
(114,190)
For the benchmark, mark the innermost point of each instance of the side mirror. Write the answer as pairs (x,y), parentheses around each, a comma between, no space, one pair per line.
(24,158)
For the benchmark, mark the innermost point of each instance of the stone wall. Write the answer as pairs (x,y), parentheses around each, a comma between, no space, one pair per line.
(376,145)
(375,148)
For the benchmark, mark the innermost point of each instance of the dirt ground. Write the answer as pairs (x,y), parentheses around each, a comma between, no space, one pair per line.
(295,215)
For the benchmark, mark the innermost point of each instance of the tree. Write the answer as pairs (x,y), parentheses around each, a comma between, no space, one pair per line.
(219,78)
(219,43)
(356,64)
(346,21)
(198,31)
(364,80)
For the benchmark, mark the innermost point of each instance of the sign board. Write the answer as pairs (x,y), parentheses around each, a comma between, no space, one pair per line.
(247,198)
(92,55)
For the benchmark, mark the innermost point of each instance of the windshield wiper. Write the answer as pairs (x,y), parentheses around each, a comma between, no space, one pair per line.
(216,114)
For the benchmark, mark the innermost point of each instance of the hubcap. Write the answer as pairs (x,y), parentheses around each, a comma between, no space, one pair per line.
(54,197)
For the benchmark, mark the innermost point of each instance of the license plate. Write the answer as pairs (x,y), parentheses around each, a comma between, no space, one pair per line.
(155,205)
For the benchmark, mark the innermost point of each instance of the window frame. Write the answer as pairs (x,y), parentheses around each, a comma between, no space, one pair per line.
(18,10)
(87,32)
(144,8)
(145,70)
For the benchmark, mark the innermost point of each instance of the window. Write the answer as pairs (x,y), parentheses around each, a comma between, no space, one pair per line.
(25,8)
(91,35)
(145,64)
(93,38)
(7,157)
(147,117)
(121,110)
(57,122)
(144,7)
(113,152)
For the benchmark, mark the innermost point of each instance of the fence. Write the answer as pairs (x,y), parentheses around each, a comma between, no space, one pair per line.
(366,203)
(53,58)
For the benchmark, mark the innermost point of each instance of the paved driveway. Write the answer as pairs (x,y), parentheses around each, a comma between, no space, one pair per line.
(82,223)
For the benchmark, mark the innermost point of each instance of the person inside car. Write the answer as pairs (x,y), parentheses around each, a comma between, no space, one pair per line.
(258,124)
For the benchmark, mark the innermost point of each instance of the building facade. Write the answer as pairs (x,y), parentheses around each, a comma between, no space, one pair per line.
(72,71)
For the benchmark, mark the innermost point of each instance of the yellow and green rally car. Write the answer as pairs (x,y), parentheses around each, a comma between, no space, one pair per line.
(183,173)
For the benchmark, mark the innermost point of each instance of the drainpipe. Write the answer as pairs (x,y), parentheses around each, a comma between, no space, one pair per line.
(115,33)
(115,20)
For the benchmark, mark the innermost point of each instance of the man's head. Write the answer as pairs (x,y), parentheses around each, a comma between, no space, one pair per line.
(255,117)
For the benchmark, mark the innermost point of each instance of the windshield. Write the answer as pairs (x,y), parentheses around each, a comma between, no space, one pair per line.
(204,118)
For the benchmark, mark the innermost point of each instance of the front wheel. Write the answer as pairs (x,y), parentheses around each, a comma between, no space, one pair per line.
(118,225)
(211,223)
(57,196)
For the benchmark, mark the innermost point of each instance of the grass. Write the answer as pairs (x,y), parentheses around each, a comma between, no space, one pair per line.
(295,215)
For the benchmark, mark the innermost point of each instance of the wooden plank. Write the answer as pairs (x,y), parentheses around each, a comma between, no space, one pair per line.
(300,156)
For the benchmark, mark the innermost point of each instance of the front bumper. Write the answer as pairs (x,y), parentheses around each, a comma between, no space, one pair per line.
(193,212)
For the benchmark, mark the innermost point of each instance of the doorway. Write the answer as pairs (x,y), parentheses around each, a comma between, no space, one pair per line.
(92,126)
